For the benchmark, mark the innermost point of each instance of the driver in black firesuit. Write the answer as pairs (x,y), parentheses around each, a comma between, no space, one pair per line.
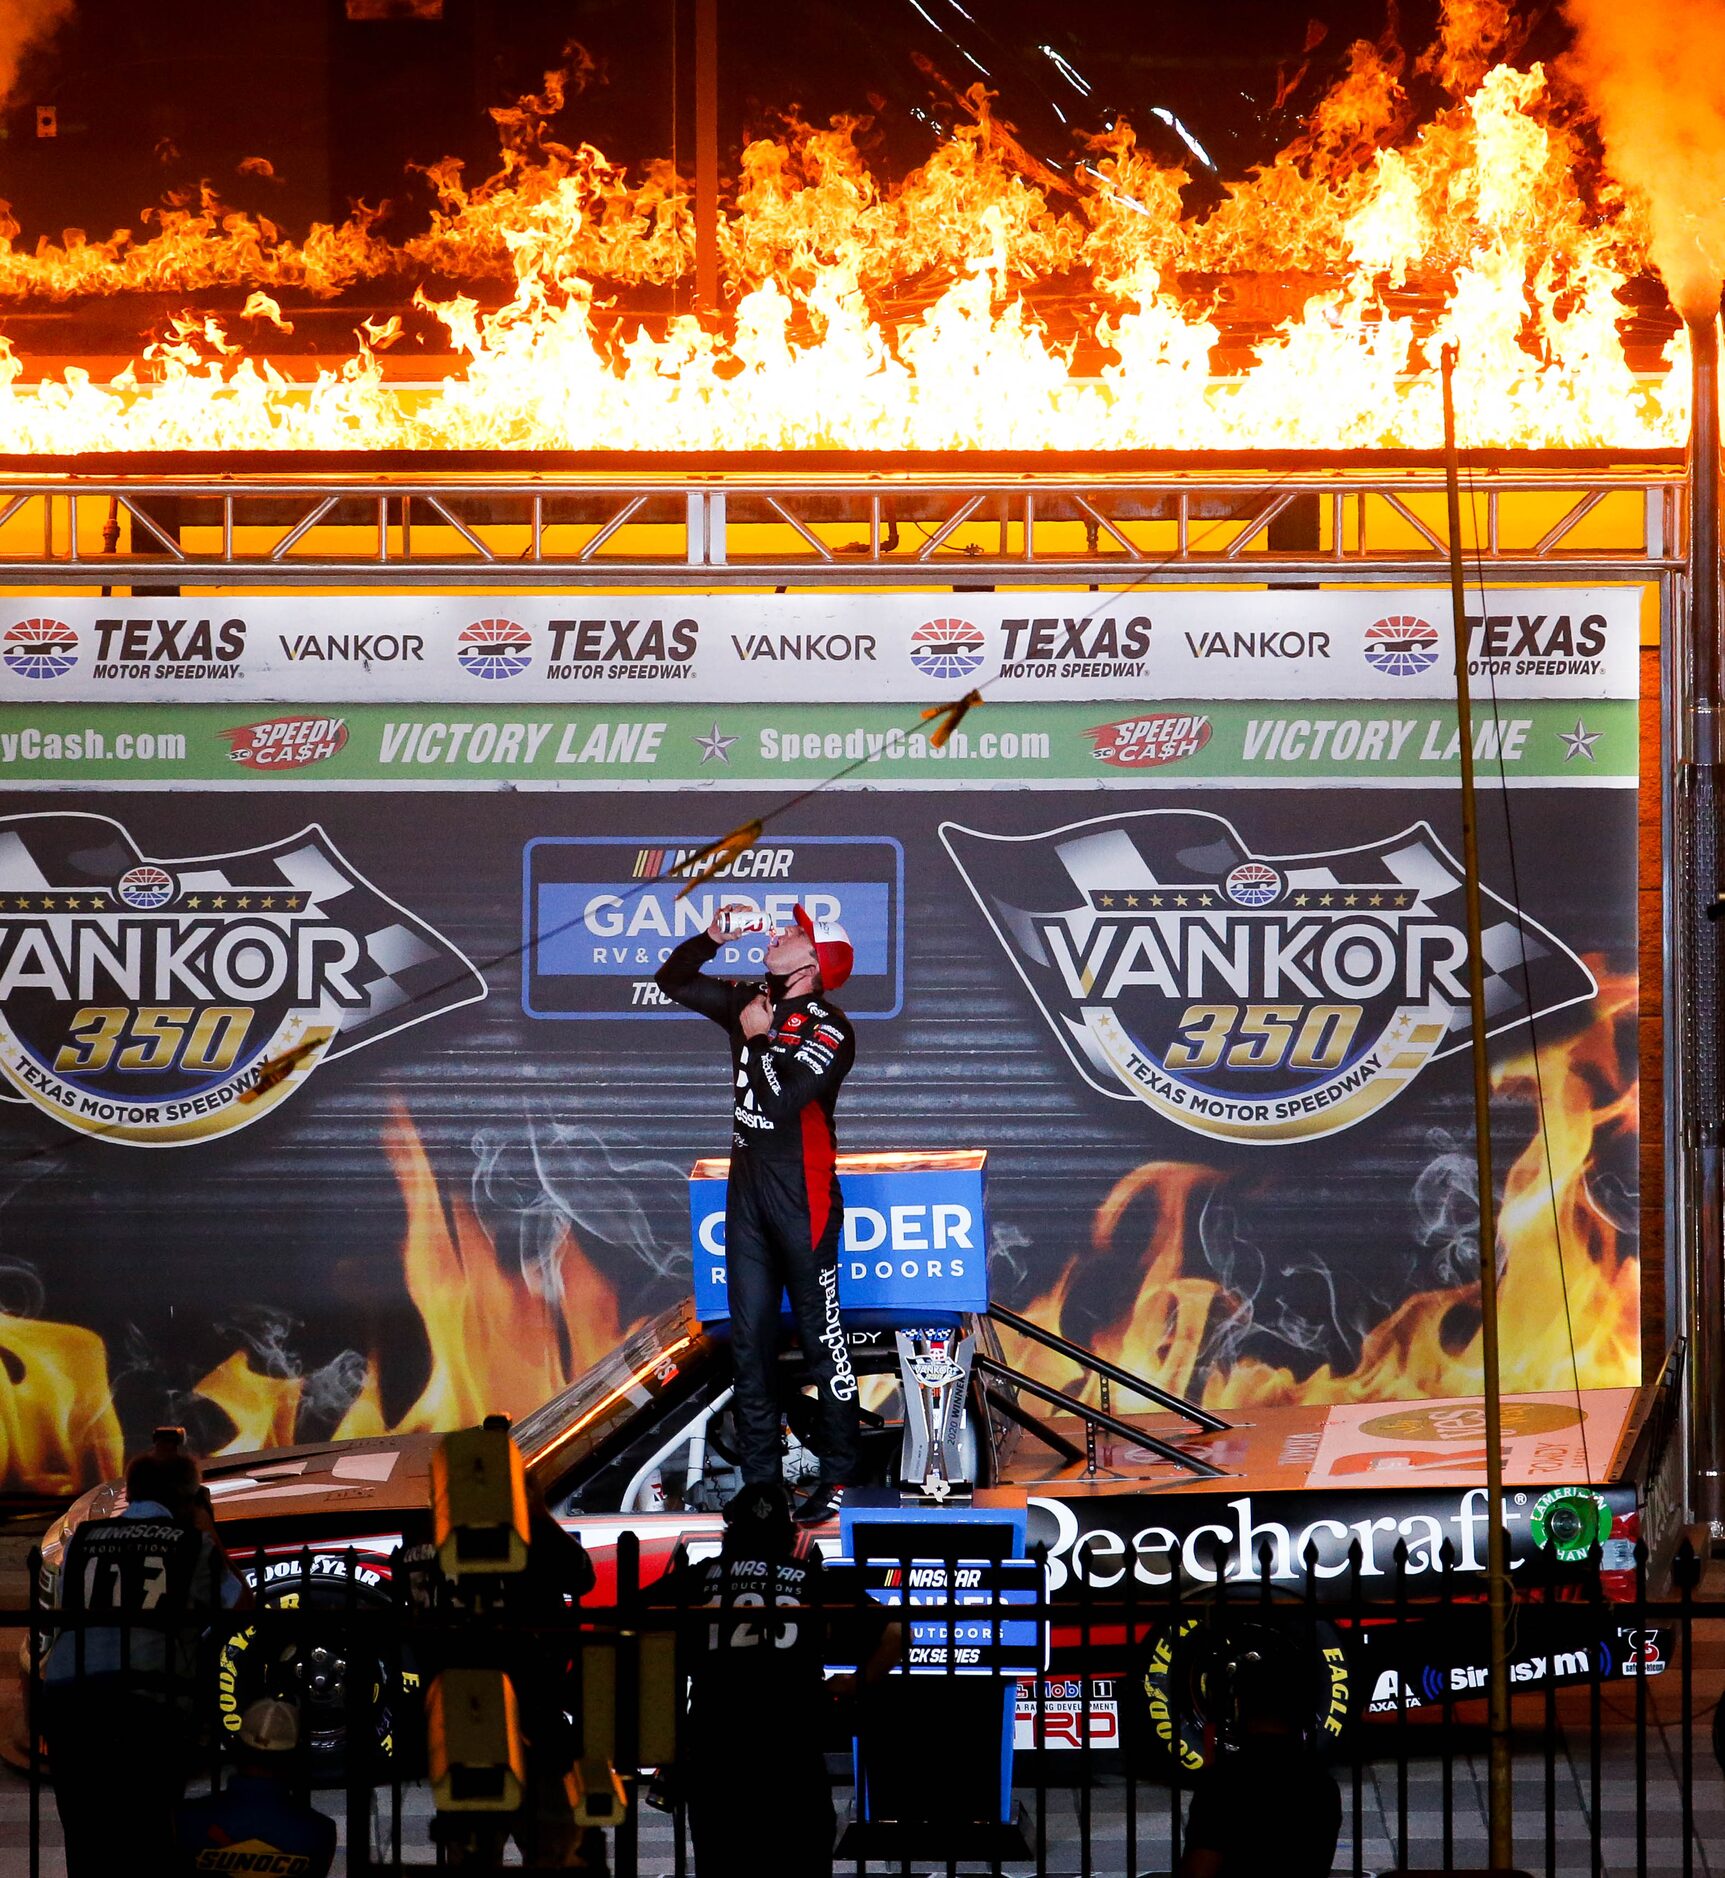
(790,1050)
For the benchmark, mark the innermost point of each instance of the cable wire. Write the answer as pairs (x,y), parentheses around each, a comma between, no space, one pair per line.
(1503,792)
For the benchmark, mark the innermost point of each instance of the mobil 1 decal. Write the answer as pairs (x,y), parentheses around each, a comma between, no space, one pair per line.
(1244,990)
(159,1002)
(601,914)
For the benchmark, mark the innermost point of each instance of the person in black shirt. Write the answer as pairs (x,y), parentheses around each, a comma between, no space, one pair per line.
(121,1686)
(791,1048)
(1268,1804)
(752,1761)
(257,1823)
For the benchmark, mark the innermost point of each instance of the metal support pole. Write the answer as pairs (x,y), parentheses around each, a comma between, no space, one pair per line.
(707,156)
(1500,1795)
(1699,791)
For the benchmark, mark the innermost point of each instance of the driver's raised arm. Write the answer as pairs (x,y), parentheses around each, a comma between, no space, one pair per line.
(682,979)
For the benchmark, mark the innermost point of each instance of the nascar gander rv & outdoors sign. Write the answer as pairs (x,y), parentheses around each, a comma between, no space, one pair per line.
(328,931)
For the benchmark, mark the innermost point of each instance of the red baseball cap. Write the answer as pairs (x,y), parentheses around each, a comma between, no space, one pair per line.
(834,953)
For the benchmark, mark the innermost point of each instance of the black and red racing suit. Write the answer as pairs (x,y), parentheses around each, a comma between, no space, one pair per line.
(783,1212)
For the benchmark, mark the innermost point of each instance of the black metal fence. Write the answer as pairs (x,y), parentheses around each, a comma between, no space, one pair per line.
(1613,1699)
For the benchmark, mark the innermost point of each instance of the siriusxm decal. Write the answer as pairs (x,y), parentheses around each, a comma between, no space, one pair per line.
(1252,996)
(600,915)
(914,1240)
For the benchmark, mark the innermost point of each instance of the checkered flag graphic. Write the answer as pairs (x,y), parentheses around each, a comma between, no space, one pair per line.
(1067,873)
(406,971)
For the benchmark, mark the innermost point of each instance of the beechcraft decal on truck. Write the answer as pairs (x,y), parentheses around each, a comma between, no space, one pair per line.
(1250,996)
(158,1003)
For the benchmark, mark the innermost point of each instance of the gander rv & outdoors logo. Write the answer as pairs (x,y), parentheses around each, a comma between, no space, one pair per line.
(1246,996)
(159,1003)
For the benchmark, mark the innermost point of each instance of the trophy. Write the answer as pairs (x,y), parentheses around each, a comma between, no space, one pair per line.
(934,1372)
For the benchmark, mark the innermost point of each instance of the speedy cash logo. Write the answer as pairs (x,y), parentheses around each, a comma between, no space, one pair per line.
(1150,742)
(158,1003)
(1246,996)
(39,648)
(282,744)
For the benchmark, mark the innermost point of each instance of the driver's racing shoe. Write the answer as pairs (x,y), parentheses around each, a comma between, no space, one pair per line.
(821,1505)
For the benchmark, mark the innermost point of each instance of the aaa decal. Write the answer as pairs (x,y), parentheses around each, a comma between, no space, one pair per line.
(159,1003)
(1247,996)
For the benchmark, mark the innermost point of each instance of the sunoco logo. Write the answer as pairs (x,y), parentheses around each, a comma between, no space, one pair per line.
(1401,645)
(494,648)
(1251,997)
(162,1003)
(39,648)
(946,648)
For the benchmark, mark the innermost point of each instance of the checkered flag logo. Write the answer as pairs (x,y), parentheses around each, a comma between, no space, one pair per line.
(157,1001)
(1248,995)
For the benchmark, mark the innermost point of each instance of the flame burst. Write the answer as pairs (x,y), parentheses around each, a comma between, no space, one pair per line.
(1563,1270)
(867,317)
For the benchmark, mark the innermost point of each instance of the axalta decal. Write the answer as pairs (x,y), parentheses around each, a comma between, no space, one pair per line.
(1251,996)
(1150,742)
(161,1002)
(285,743)
(601,915)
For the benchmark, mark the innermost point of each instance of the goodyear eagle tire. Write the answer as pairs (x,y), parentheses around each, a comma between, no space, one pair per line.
(1174,1700)
(300,1661)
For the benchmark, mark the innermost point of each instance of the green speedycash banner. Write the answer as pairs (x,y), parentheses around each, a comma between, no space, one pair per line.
(1146,745)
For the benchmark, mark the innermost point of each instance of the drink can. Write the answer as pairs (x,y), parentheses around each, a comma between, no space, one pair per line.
(734,921)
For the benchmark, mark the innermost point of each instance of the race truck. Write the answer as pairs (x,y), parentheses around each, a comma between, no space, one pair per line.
(1172,1540)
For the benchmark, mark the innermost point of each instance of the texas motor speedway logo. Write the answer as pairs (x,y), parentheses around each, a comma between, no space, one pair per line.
(1247,996)
(160,1002)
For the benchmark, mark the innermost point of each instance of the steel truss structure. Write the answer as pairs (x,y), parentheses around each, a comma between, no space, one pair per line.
(951,523)
(519,524)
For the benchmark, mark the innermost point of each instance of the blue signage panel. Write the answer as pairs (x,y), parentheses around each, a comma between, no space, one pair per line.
(601,914)
(914,1240)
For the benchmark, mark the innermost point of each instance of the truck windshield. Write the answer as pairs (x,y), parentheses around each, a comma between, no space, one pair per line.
(614,1389)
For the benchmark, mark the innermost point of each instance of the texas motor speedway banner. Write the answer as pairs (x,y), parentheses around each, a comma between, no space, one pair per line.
(326,994)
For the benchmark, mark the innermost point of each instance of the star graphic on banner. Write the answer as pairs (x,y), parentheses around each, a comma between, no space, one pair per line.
(1579,742)
(716,746)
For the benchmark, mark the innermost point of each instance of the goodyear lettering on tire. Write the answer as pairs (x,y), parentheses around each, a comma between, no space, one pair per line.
(1181,1739)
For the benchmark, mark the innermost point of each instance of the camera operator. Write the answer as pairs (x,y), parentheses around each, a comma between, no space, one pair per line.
(528,1626)
(120,1695)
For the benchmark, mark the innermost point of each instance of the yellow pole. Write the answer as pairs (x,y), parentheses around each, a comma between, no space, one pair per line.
(1500,1796)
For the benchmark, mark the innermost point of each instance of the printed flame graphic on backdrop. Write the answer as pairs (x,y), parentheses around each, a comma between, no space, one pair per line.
(496,1344)
(1429,1345)
(866,316)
